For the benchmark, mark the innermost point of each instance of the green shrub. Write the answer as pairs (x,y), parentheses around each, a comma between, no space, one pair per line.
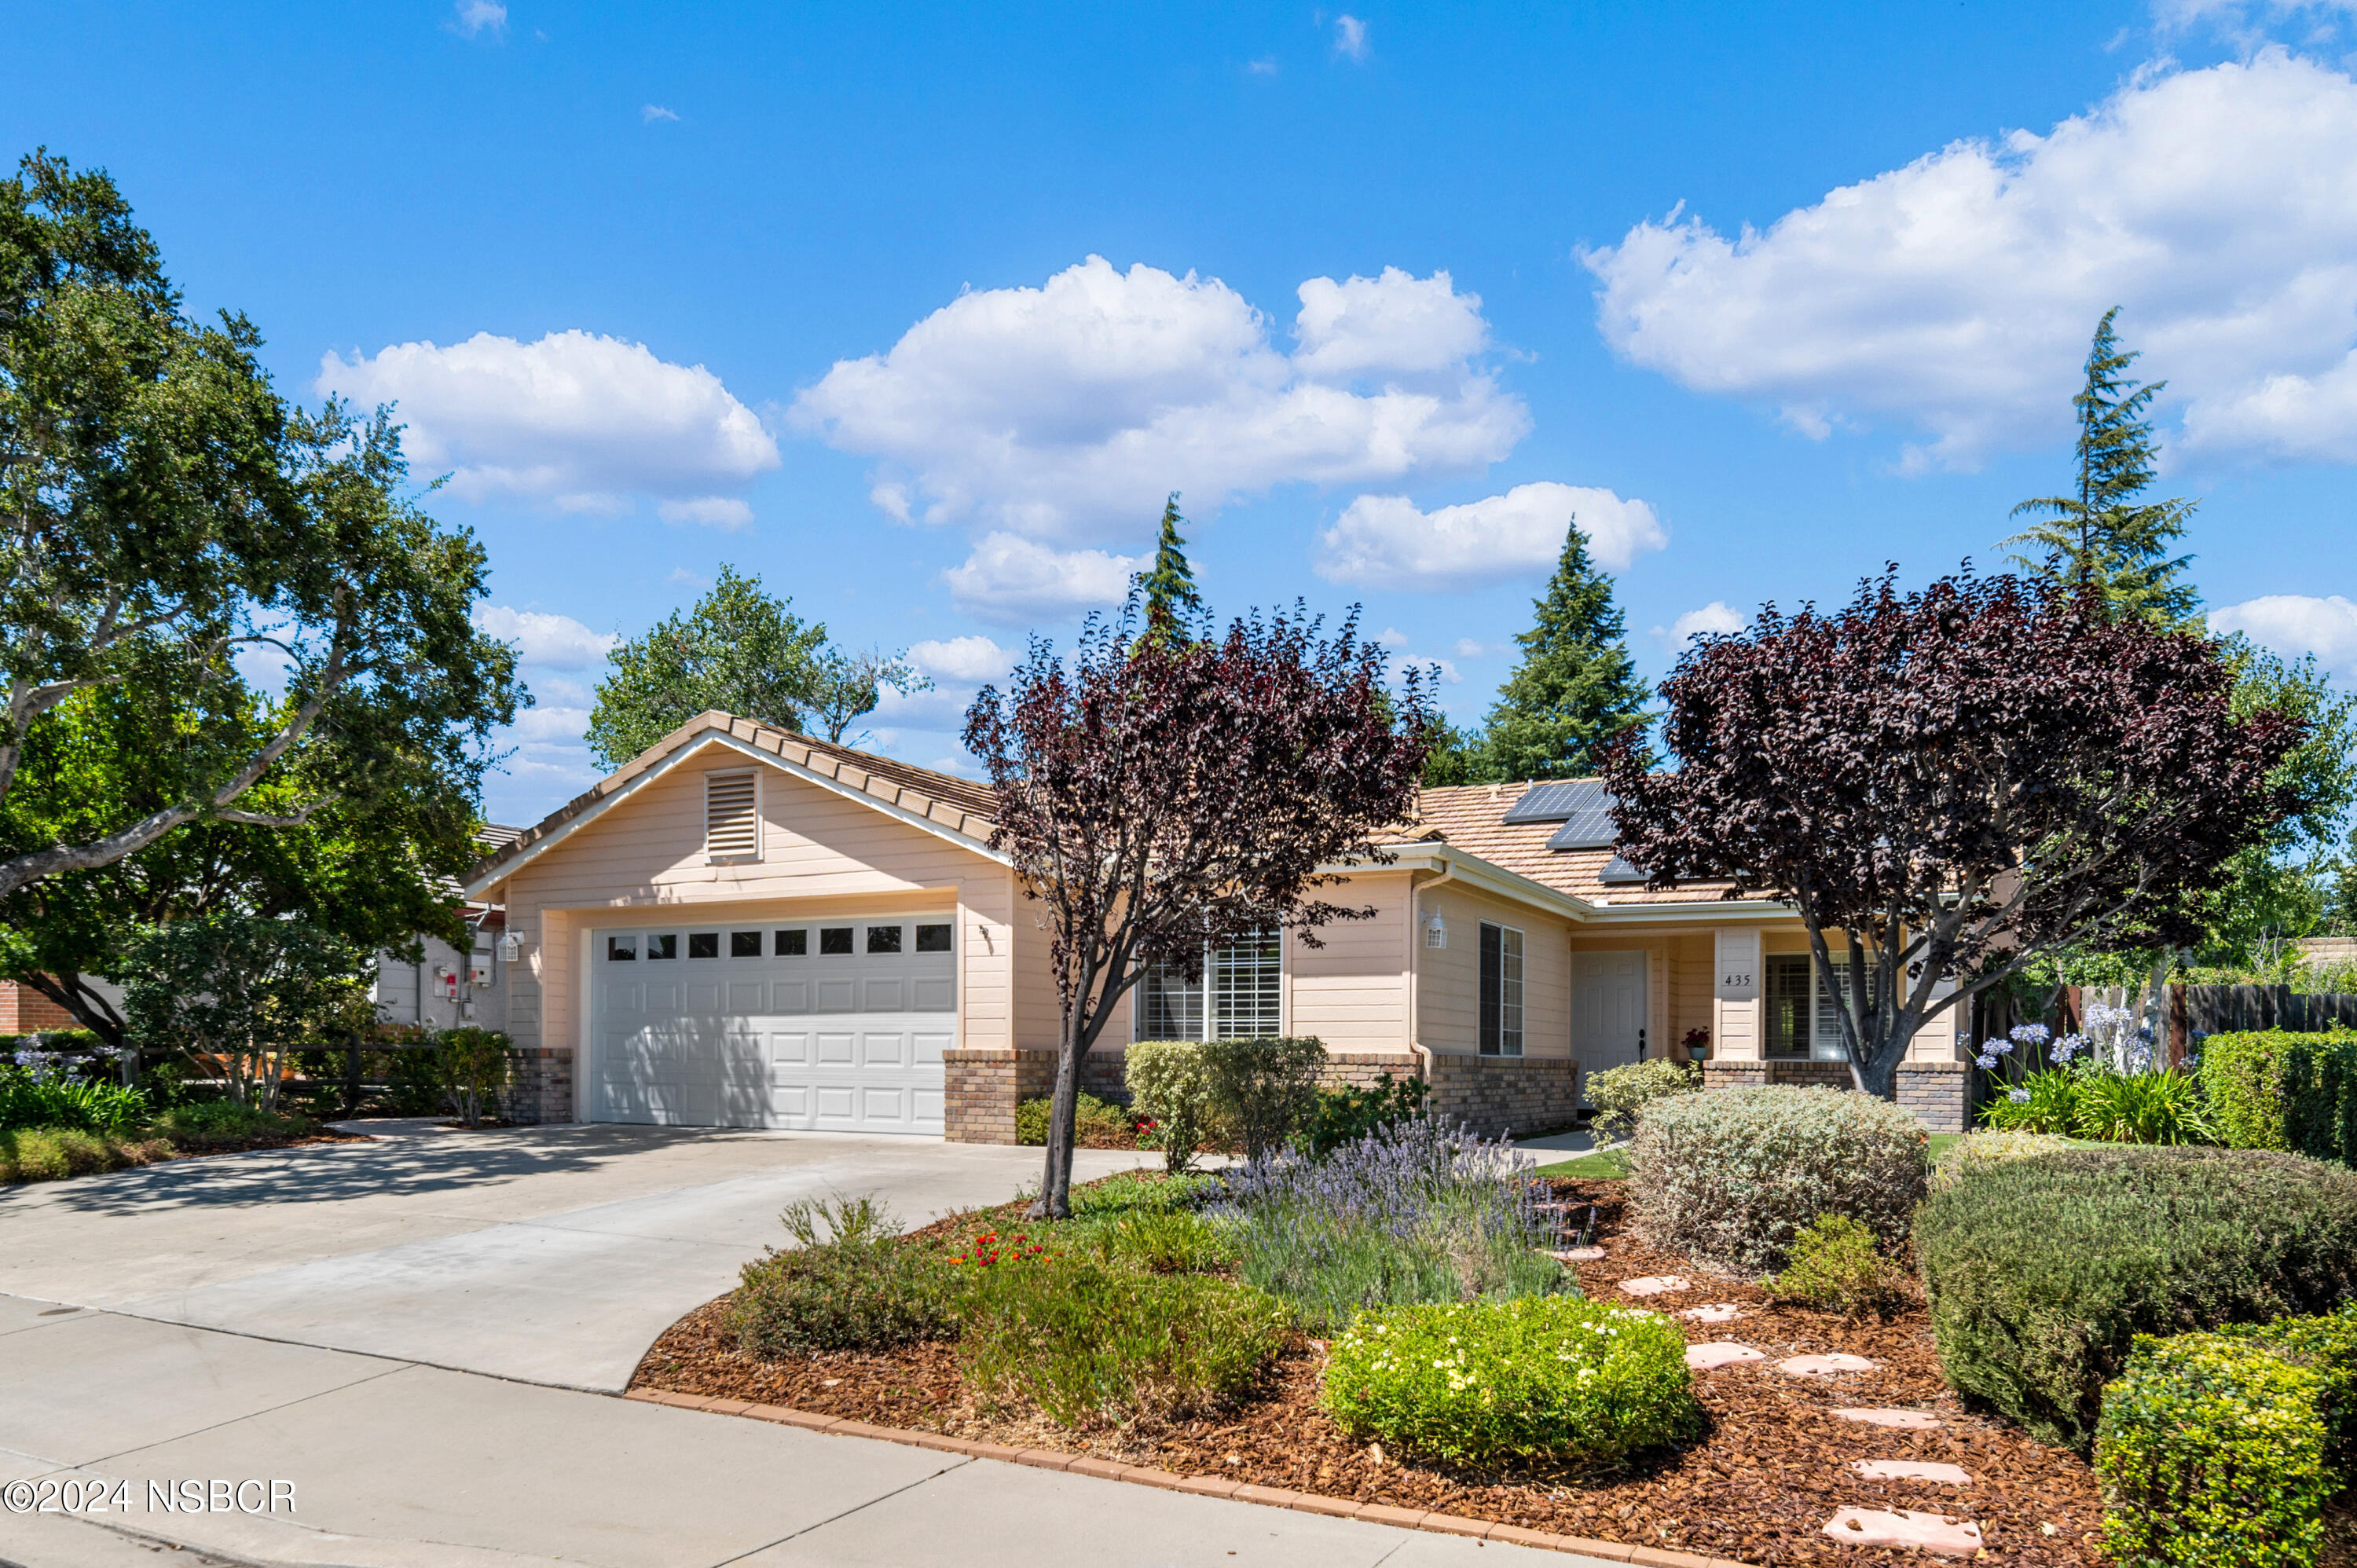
(1621,1093)
(1170,1081)
(474,1064)
(1096,1124)
(2047,1102)
(2272,1090)
(2041,1271)
(1483,1382)
(220,1123)
(2163,1107)
(1265,1090)
(2211,1452)
(26,1100)
(1974,1150)
(1344,1115)
(1090,1343)
(1172,1242)
(52,1153)
(1731,1178)
(413,1081)
(849,1284)
(1837,1267)
(2326,1346)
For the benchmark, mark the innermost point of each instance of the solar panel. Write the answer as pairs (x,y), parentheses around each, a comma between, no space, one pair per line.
(1617,872)
(1590,829)
(1557,801)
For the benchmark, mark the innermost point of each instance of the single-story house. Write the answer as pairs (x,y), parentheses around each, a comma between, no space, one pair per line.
(744,927)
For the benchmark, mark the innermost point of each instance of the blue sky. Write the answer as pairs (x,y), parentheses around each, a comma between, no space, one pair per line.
(918,314)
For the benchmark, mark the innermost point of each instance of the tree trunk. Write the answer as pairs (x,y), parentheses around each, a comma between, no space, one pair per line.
(1055,1200)
(1878,1074)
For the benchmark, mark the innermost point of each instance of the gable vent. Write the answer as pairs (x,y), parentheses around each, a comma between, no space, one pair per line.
(732,816)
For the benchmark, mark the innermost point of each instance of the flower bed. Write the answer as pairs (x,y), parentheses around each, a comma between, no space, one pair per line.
(1769,1468)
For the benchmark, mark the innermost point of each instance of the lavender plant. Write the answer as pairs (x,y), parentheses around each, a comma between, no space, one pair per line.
(1421,1210)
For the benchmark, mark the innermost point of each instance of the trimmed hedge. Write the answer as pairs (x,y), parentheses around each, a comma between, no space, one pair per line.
(2211,1452)
(2327,1347)
(1976,1150)
(1542,1378)
(2274,1090)
(2041,1273)
(1731,1177)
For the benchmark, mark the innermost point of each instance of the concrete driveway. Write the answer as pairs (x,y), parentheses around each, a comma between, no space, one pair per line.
(321,1320)
(548,1255)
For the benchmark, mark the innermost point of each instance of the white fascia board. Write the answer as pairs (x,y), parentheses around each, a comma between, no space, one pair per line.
(1472,871)
(1702,912)
(722,738)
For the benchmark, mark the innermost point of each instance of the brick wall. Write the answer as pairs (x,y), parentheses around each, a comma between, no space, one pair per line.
(1935,1091)
(983,1086)
(1524,1096)
(25,1011)
(540,1085)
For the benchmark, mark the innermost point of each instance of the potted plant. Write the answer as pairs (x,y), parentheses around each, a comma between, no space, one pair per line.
(1698,1043)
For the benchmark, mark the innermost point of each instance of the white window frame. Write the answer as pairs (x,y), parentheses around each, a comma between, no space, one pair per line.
(1511,990)
(1816,1043)
(1203,1000)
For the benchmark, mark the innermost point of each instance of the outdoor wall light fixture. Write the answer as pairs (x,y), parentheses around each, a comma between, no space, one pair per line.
(510,950)
(1436,931)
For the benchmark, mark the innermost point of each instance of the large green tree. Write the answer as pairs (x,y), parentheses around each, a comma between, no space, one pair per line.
(1576,689)
(171,522)
(2105,534)
(844,686)
(739,649)
(1174,605)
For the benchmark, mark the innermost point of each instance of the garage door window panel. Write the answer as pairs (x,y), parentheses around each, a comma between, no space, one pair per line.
(704,944)
(794,944)
(833,940)
(883,939)
(744,944)
(663,947)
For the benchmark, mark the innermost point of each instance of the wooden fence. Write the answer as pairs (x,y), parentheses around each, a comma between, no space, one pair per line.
(2183,1012)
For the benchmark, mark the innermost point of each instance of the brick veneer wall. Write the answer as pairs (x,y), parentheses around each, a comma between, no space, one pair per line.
(1935,1092)
(540,1085)
(25,1011)
(1524,1096)
(983,1086)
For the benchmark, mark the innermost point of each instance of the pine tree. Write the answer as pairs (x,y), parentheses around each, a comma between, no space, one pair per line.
(2103,536)
(1576,687)
(1172,600)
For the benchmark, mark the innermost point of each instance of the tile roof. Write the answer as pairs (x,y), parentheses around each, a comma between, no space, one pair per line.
(958,804)
(1471,817)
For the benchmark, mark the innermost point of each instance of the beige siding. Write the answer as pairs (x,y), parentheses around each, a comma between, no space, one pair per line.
(821,853)
(1690,982)
(1038,1012)
(1351,993)
(1448,979)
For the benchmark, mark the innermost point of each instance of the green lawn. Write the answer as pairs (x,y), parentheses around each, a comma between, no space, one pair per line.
(1608,1165)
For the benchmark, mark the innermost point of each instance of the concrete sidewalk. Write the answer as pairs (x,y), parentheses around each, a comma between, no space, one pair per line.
(394,1465)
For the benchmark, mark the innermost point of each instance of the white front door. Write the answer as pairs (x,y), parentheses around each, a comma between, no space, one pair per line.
(836,1025)
(1607,1010)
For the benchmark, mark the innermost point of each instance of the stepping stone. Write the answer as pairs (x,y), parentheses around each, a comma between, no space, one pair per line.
(1579,1255)
(1911,1470)
(1716,1312)
(1824,1366)
(1657,1284)
(1722,1353)
(1904,1527)
(1905,1420)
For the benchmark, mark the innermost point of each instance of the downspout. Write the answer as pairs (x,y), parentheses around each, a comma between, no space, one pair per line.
(1416,942)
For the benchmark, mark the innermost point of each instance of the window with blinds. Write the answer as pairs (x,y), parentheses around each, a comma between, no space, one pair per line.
(1502,990)
(1240,997)
(1785,999)
(1828,1043)
(732,816)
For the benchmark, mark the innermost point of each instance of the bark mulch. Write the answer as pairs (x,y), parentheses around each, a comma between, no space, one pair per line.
(1772,1468)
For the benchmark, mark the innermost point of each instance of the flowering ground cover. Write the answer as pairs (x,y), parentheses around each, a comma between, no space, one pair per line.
(1770,1466)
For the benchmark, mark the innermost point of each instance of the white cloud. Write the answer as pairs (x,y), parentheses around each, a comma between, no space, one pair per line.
(2296,624)
(1349,37)
(1064,412)
(1265,66)
(472,18)
(687,579)
(1011,580)
(542,638)
(712,511)
(1468,648)
(971,660)
(1716,615)
(580,422)
(1387,542)
(2218,206)
(550,725)
(654,112)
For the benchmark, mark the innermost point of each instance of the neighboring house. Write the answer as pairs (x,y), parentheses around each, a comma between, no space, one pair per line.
(443,988)
(747,927)
(25,1011)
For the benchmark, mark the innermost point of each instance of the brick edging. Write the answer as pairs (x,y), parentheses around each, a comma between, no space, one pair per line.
(1203,1486)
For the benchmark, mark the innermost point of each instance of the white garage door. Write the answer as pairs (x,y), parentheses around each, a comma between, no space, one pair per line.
(837,1024)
